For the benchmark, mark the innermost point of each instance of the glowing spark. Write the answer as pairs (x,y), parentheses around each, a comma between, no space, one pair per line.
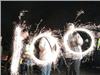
(79,13)
(22,13)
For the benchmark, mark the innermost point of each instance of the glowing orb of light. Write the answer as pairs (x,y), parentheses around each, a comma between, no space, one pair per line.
(87,51)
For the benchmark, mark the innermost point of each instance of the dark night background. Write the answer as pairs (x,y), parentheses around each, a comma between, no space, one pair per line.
(55,14)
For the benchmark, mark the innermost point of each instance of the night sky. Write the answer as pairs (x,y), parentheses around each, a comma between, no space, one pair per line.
(54,14)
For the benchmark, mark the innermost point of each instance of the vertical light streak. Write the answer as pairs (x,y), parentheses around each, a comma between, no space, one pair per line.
(17,48)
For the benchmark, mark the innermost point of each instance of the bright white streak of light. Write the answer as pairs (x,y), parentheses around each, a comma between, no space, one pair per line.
(17,47)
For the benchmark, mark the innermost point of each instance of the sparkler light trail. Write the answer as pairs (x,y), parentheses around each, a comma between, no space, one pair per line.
(20,34)
(84,53)
(52,41)
(17,49)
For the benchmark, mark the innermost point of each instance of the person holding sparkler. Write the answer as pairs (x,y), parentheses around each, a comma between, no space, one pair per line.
(75,42)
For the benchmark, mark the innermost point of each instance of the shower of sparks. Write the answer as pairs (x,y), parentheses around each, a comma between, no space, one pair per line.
(17,49)
(69,52)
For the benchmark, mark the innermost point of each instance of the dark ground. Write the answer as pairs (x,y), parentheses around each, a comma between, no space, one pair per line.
(85,69)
